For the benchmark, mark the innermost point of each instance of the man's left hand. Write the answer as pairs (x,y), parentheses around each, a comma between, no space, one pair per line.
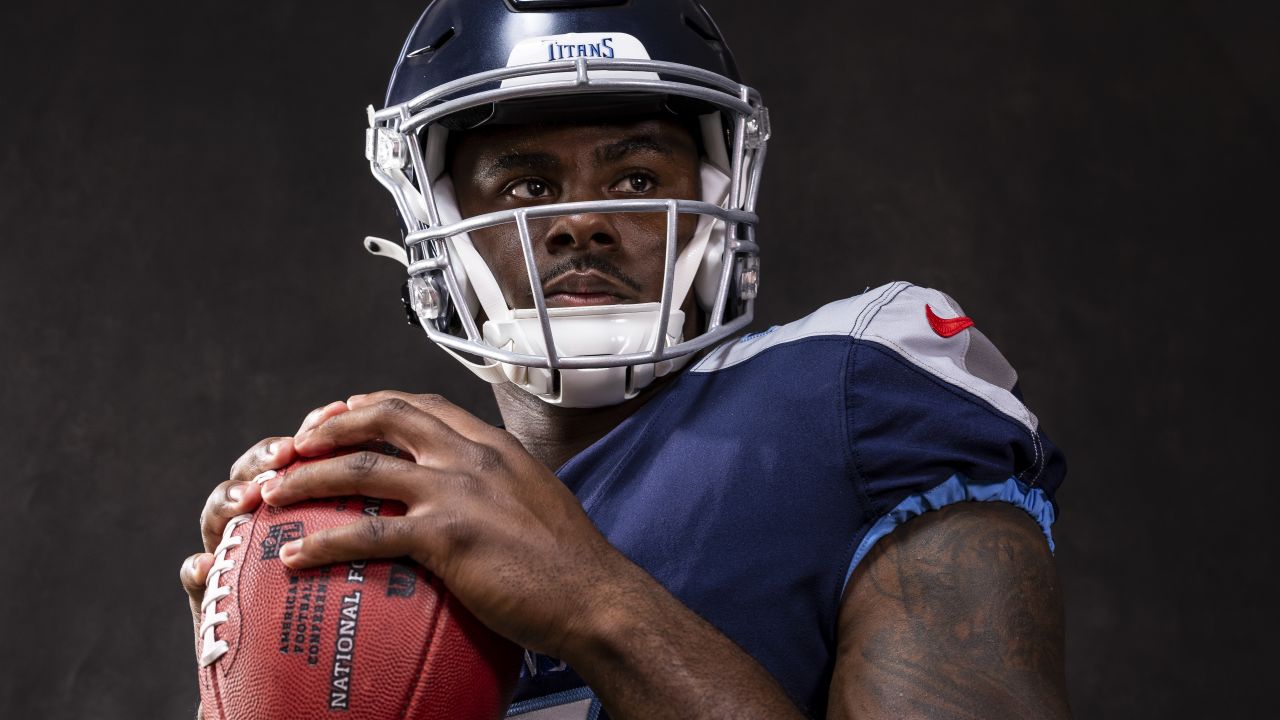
(504,534)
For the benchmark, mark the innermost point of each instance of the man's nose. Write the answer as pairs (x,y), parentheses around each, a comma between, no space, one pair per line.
(582,232)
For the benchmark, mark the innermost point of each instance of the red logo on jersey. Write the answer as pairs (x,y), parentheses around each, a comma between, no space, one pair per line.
(946,327)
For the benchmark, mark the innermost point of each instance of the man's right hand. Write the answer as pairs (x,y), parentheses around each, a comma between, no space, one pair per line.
(240,495)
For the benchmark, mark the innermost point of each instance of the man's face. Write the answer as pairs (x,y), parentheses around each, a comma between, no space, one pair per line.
(589,258)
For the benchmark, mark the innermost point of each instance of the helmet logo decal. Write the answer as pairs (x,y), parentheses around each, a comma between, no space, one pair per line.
(572,46)
(560,51)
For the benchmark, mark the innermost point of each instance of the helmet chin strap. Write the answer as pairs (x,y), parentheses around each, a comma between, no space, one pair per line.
(599,331)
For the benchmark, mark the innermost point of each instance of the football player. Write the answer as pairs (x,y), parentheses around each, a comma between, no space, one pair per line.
(846,516)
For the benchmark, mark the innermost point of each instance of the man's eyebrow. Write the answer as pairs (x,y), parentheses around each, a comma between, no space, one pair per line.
(529,161)
(615,151)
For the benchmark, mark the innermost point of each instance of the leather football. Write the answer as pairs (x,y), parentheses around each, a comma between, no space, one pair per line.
(359,640)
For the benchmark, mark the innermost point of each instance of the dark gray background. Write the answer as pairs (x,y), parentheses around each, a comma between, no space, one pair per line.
(182,192)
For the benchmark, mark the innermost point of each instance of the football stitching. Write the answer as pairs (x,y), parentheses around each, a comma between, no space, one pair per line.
(212,648)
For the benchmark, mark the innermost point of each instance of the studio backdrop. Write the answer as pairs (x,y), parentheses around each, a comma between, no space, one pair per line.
(183,195)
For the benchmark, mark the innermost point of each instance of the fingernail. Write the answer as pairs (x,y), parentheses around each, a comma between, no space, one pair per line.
(235,492)
(271,449)
(355,398)
(290,549)
(269,487)
(265,476)
(310,420)
(191,563)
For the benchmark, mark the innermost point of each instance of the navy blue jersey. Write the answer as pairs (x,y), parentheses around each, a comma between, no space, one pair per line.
(752,485)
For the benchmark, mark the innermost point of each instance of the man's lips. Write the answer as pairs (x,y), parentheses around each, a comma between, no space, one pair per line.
(581,299)
(575,289)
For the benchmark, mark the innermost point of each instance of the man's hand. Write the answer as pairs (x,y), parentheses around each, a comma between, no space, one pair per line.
(503,533)
(511,543)
(239,495)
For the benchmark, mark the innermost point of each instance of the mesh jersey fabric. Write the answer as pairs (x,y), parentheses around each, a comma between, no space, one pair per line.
(752,484)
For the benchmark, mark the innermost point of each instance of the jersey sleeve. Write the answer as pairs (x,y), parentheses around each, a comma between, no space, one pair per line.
(935,417)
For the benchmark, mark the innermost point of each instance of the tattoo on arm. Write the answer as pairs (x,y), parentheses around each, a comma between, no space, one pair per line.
(956,614)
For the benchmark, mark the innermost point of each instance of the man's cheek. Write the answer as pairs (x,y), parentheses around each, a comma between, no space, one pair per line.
(500,250)
(646,232)
(688,225)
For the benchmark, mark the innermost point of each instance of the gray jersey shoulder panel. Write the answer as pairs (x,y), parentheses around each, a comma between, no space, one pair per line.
(838,318)
(894,317)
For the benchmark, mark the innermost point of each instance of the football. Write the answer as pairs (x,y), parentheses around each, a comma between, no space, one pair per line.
(365,639)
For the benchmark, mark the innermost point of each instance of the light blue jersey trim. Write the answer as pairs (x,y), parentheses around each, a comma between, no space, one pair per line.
(560,698)
(958,488)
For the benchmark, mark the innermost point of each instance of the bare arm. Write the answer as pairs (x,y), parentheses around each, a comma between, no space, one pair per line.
(651,657)
(956,614)
(514,545)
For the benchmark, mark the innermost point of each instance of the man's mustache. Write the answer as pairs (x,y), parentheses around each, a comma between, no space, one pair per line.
(583,263)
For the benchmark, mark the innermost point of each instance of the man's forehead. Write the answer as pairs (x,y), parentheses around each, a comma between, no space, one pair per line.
(605,139)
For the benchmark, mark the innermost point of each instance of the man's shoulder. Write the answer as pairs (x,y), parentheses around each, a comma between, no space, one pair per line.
(928,331)
(913,321)
(898,324)
(833,320)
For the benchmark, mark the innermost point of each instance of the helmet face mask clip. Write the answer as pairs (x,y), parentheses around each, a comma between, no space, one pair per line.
(538,65)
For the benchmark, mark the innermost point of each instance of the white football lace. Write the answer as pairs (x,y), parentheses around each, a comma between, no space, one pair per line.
(211,648)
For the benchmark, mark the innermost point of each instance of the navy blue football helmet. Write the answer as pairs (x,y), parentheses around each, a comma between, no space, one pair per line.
(471,63)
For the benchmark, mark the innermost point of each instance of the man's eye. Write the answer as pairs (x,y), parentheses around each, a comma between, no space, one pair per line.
(635,183)
(529,189)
